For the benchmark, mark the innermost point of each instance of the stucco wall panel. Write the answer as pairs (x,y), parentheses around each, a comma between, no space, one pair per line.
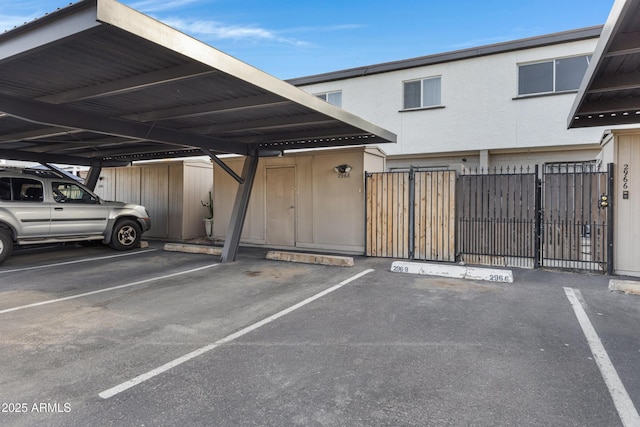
(329,207)
(480,112)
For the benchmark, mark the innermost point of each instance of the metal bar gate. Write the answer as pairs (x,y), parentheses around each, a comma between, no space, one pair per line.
(498,217)
(576,214)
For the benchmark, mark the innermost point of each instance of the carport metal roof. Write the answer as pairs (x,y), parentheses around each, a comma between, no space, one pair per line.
(610,91)
(98,83)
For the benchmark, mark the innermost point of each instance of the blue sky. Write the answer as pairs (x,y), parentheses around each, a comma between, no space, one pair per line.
(300,38)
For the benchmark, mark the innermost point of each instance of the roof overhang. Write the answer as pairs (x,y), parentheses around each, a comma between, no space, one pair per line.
(610,91)
(100,83)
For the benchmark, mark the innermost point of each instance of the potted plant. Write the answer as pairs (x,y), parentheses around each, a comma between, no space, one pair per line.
(208,221)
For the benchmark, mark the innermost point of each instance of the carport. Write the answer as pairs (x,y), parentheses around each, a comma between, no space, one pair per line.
(610,91)
(610,95)
(99,84)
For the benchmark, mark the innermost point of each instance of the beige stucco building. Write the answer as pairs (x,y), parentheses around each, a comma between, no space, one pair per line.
(302,199)
(622,148)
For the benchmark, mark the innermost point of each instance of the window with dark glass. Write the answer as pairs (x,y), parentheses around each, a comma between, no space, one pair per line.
(558,75)
(21,189)
(422,93)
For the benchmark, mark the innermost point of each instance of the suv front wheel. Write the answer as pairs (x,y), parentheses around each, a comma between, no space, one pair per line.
(126,235)
(6,244)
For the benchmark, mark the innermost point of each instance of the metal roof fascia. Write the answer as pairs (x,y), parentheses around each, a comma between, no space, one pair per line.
(127,19)
(60,25)
(611,27)
(57,158)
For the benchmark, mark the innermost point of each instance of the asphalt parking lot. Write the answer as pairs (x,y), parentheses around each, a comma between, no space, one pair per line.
(94,337)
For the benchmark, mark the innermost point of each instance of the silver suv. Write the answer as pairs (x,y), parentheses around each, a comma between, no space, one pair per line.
(45,206)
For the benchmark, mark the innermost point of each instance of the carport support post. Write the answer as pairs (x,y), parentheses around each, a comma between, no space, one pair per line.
(239,212)
(92,178)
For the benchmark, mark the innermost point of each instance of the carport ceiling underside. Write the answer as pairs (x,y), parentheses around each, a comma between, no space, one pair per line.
(610,92)
(100,83)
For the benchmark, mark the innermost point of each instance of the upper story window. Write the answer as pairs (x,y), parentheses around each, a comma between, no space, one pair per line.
(334,98)
(422,93)
(557,75)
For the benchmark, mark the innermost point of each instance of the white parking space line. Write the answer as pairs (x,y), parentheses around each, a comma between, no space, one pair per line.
(623,403)
(86,294)
(76,261)
(180,360)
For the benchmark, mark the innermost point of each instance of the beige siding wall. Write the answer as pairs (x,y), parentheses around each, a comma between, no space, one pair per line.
(627,211)
(497,159)
(154,196)
(127,185)
(338,202)
(224,194)
(329,208)
(304,205)
(105,187)
(171,191)
(374,161)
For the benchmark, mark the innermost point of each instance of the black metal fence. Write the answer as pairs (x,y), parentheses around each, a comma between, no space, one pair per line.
(519,217)
(498,218)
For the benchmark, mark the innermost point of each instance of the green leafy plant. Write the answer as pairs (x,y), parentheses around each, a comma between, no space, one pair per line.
(208,205)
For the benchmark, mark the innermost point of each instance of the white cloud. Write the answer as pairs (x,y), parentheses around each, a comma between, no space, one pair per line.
(148,6)
(219,31)
(325,29)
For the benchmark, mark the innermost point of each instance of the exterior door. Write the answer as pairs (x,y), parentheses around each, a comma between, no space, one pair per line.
(281,209)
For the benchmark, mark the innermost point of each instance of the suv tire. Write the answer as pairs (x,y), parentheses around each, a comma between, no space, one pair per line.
(126,235)
(6,244)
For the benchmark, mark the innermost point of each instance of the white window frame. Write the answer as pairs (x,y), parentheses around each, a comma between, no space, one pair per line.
(554,62)
(422,105)
(325,97)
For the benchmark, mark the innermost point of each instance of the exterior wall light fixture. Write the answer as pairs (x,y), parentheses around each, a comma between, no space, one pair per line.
(342,169)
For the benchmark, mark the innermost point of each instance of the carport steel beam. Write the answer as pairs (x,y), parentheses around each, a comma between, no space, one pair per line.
(239,212)
(58,115)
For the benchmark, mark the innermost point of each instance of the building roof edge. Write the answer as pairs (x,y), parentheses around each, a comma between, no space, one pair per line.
(457,55)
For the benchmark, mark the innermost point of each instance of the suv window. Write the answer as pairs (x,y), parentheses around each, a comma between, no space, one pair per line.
(66,192)
(5,189)
(20,189)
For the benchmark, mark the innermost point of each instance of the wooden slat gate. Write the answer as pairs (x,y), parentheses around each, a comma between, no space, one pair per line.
(411,215)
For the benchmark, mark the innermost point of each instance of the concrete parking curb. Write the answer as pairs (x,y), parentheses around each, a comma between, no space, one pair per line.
(626,286)
(339,261)
(453,271)
(192,249)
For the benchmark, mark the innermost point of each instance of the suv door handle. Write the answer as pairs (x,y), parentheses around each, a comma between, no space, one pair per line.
(58,209)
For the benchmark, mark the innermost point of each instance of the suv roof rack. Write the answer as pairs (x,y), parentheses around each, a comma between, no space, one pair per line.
(46,171)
